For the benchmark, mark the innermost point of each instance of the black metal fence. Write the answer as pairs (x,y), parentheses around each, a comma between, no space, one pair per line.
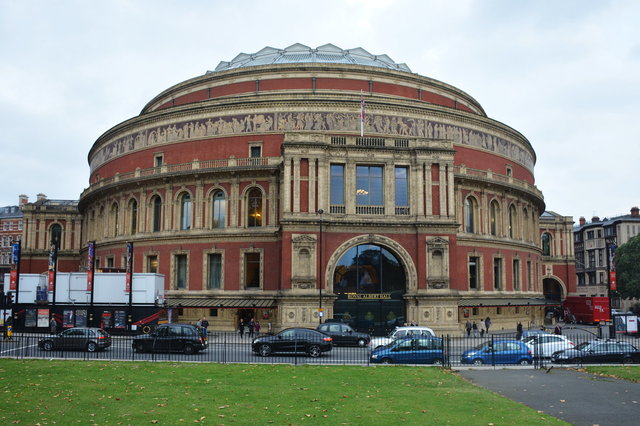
(494,350)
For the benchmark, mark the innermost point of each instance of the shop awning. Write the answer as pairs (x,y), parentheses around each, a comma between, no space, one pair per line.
(219,303)
(507,301)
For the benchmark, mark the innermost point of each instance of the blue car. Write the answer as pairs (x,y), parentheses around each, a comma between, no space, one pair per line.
(498,352)
(417,350)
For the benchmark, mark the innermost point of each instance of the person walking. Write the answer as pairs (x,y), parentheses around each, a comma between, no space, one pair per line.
(252,326)
(241,328)
(257,327)
(53,325)
(519,331)
(204,323)
(475,329)
(468,328)
(487,324)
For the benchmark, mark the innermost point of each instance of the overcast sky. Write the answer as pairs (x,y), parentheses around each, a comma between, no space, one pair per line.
(563,73)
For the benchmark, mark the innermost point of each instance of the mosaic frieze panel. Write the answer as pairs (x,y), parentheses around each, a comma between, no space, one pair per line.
(311,121)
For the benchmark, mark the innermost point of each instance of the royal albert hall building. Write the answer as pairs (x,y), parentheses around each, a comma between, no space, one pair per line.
(257,190)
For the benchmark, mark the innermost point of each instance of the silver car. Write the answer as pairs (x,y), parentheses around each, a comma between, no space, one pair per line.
(544,345)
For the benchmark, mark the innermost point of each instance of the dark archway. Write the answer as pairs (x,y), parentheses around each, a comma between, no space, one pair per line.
(553,290)
(370,283)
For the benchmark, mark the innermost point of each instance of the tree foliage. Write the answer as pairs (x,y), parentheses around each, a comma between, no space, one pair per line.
(627,262)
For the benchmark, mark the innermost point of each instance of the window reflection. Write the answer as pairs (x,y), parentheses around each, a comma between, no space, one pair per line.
(369,268)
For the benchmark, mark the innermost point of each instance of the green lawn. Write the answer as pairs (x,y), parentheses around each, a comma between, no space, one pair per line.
(91,392)
(624,372)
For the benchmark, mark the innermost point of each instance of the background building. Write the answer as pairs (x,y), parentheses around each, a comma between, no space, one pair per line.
(591,260)
(291,179)
(11,223)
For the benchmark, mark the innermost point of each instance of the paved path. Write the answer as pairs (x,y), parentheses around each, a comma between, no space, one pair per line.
(573,396)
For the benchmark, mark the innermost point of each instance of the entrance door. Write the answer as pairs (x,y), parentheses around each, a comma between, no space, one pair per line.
(370,282)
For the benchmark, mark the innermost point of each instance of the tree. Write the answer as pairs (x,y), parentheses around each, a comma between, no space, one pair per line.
(627,263)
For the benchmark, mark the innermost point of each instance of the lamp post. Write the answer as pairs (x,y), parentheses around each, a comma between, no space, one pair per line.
(320,312)
(610,248)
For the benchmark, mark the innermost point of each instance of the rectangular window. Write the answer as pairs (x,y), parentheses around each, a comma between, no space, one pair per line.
(256,152)
(529,276)
(474,267)
(181,271)
(402,190)
(213,312)
(158,160)
(592,258)
(215,271)
(589,235)
(516,274)
(252,270)
(110,262)
(337,185)
(152,264)
(497,273)
(10,226)
(369,190)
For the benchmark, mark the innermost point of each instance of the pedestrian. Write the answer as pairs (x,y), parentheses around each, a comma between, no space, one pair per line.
(519,331)
(468,328)
(487,324)
(204,323)
(475,329)
(269,328)
(481,332)
(252,327)
(257,327)
(53,325)
(241,328)
(557,330)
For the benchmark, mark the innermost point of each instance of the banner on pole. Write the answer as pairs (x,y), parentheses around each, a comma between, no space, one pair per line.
(129,267)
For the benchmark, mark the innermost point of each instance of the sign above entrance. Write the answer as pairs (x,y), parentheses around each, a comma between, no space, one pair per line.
(369,296)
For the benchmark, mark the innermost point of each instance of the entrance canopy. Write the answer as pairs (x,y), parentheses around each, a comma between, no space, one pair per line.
(219,303)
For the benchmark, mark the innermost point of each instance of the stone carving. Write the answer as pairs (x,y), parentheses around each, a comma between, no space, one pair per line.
(309,121)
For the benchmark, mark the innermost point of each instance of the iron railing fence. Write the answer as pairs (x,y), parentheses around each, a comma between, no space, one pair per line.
(493,350)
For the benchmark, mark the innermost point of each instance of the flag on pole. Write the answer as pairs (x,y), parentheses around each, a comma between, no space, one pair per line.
(361,113)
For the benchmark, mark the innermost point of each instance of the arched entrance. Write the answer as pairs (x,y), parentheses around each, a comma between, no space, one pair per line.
(553,290)
(370,281)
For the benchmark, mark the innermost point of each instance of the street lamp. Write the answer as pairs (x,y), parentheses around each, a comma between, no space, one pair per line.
(610,249)
(320,313)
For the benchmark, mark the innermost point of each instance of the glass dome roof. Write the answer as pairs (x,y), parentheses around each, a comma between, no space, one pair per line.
(299,53)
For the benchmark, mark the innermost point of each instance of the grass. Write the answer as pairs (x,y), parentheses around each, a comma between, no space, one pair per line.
(626,372)
(91,392)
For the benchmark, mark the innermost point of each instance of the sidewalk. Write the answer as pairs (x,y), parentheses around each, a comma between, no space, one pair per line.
(570,395)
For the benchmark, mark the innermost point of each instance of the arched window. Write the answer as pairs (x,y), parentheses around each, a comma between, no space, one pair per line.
(470,213)
(525,225)
(56,235)
(546,244)
(185,211)
(254,208)
(219,207)
(156,204)
(512,221)
(369,268)
(115,216)
(494,217)
(133,213)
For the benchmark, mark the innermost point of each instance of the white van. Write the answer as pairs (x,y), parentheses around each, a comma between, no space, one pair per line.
(399,333)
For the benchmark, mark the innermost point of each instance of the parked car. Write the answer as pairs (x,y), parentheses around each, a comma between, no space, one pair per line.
(400,333)
(498,352)
(529,333)
(599,351)
(185,338)
(293,340)
(543,345)
(416,350)
(343,334)
(77,338)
